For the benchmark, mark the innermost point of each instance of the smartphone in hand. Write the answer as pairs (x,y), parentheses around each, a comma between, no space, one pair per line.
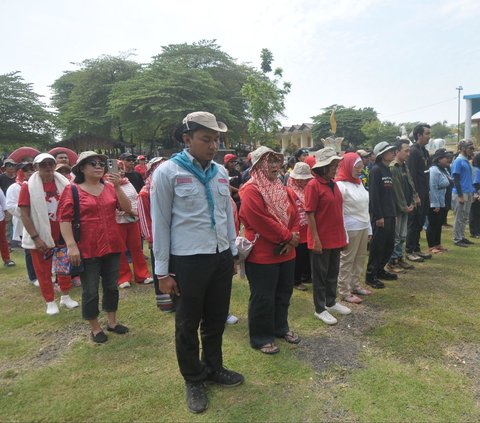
(112,166)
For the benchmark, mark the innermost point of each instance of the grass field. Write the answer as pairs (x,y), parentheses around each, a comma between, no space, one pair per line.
(410,352)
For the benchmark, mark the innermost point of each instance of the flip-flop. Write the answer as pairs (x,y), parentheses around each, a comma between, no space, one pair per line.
(269,349)
(291,337)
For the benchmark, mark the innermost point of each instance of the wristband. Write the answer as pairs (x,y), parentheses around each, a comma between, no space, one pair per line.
(166,276)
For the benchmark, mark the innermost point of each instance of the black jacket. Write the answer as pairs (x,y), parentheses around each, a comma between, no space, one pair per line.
(419,166)
(380,189)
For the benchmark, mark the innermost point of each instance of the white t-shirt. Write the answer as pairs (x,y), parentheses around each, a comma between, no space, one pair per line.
(355,206)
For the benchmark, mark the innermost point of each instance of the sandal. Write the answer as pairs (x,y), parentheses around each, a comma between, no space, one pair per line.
(291,337)
(269,349)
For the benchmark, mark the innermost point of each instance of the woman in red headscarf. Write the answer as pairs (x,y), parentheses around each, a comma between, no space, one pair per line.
(269,214)
(357,224)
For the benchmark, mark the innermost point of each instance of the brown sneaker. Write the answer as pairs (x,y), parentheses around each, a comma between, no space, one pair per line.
(404,265)
(394,267)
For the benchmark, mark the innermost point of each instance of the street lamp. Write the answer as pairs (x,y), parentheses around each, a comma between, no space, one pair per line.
(459,89)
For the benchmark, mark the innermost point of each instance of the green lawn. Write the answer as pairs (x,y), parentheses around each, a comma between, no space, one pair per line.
(410,352)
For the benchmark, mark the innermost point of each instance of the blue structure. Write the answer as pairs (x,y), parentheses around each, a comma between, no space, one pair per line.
(472,106)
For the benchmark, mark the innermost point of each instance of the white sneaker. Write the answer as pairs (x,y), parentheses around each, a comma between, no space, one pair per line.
(52,308)
(147,281)
(124,285)
(36,283)
(326,317)
(339,308)
(66,301)
(231,319)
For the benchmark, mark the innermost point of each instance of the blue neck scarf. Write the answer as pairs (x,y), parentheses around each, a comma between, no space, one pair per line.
(184,162)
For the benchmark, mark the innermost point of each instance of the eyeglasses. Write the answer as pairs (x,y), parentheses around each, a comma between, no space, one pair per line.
(95,163)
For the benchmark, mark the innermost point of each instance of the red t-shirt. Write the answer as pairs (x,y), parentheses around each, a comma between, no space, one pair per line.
(325,200)
(98,229)
(257,220)
(51,197)
(142,169)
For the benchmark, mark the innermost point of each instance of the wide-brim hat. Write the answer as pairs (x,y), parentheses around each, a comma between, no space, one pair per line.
(84,155)
(9,161)
(383,147)
(199,120)
(151,164)
(72,156)
(63,166)
(325,156)
(261,151)
(301,170)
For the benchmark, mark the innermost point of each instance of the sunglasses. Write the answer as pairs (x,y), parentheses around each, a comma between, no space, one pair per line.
(47,163)
(95,163)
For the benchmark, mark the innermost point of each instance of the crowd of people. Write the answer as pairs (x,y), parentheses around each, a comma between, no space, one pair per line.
(313,219)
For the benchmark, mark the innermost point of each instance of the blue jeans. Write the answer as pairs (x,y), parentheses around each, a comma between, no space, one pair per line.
(401,225)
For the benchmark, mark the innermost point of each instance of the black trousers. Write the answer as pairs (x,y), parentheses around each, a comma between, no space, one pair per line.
(416,220)
(381,247)
(435,223)
(205,283)
(106,268)
(325,268)
(302,264)
(475,219)
(271,287)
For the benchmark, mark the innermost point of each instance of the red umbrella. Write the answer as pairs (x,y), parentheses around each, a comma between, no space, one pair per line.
(72,156)
(23,153)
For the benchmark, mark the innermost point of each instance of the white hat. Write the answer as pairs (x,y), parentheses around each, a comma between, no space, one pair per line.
(205,119)
(301,171)
(325,156)
(383,147)
(43,156)
(260,152)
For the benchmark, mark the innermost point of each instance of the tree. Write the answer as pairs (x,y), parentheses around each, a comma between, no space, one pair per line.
(350,121)
(266,102)
(82,96)
(182,79)
(440,130)
(376,131)
(24,119)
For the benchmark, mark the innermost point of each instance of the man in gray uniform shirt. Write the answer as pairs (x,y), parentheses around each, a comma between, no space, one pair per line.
(194,248)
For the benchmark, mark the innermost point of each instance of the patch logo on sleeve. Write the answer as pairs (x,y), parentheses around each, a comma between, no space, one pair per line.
(184,180)
(222,181)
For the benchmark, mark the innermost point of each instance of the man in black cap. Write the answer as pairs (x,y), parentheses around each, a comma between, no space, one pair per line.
(134,177)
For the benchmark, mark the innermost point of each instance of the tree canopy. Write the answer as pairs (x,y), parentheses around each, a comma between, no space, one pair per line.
(25,119)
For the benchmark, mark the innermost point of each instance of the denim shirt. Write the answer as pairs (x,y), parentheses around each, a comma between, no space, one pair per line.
(181,222)
(439,182)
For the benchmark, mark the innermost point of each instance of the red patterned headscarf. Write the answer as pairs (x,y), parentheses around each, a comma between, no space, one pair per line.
(273,192)
(297,189)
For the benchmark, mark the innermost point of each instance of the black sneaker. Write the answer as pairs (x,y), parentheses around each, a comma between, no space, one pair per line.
(226,378)
(387,276)
(375,283)
(467,241)
(197,401)
(461,244)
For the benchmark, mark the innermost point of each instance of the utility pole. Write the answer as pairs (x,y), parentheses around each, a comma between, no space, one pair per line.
(459,89)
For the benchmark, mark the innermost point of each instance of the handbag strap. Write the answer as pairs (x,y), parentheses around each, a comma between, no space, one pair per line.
(76,213)
(76,217)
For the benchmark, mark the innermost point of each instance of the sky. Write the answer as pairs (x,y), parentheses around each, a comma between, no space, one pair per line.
(404,58)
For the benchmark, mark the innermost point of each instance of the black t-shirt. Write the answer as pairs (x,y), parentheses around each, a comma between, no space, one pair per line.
(136,180)
(6,181)
(380,189)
